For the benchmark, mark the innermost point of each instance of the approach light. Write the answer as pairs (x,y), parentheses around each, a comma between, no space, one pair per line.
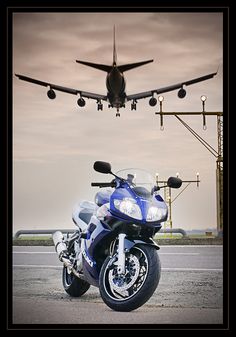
(198,181)
(203,99)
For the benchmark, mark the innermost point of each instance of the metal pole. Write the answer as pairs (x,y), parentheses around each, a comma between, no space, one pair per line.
(219,177)
(170,209)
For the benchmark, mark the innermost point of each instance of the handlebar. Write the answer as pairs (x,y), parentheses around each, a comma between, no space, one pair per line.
(111,184)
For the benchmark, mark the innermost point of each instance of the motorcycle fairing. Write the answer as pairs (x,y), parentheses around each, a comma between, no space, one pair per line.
(95,233)
(102,197)
(100,230)
(126,191)
(129,243)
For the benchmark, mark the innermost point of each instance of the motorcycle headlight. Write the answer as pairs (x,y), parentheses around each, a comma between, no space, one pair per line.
(129,207)
(156,214)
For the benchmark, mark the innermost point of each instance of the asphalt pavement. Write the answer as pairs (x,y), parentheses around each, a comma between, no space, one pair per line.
(190,290)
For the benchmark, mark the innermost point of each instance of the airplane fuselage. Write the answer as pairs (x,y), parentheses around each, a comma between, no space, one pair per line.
(115,84)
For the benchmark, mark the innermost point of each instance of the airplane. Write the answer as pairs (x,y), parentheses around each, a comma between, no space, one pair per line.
(115,84)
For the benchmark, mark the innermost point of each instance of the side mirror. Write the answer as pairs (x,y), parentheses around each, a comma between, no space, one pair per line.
(102,167)
(174,182)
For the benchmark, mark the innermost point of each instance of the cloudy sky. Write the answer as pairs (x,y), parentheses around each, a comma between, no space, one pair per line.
(56,142)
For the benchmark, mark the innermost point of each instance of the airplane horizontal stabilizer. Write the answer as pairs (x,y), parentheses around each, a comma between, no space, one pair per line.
(102,67)
(129,66)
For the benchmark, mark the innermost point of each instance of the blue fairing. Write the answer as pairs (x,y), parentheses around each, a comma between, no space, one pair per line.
(126,191)
(102,197)
(158,197)
(99,231)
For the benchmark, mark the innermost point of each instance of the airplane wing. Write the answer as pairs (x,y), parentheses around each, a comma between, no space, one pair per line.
(150,93)
(63,89)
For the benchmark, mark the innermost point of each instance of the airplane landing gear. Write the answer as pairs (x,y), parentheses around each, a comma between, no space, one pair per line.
(100,106)
(133,105)
(117,114)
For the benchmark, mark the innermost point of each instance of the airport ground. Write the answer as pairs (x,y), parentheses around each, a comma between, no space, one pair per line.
(190,290)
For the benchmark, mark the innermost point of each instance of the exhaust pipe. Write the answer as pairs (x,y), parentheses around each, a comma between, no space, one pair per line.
(61,250)
(59,243)
(68,264)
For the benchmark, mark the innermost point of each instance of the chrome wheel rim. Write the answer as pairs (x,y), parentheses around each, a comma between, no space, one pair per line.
(122,287)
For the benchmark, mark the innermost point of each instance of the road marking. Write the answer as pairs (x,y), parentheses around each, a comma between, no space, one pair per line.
(191,246)
(192,269)
(15,252)
(35,266)
(178,253)
(163,269)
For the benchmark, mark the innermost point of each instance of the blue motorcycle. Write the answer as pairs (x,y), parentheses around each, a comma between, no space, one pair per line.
(113,247)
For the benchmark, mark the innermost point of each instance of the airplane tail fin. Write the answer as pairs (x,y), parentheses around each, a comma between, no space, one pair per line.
(108,68)
(114,47)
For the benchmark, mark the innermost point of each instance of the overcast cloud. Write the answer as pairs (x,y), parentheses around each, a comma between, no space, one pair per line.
(56,142)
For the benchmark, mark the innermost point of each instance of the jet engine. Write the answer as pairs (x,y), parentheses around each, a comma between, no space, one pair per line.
(51,94)
(181,93)
(81,102)
(152,101)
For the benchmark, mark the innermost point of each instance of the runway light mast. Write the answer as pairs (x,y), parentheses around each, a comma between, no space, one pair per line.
(218,154)
(168,196)
(203,99)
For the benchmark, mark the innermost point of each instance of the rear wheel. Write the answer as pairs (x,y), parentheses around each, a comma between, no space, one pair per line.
(72,284)
(126,292)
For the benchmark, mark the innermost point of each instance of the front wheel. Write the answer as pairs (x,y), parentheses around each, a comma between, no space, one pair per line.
(72,284)
(126,292)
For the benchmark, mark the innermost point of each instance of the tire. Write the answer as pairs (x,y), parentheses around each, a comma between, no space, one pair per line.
(129,292)
(74,286)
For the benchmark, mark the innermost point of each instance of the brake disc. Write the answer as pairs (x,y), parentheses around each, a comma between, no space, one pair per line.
(119,282)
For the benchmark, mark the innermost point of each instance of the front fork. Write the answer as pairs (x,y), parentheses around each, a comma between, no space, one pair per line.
(121,254)
(125,245)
